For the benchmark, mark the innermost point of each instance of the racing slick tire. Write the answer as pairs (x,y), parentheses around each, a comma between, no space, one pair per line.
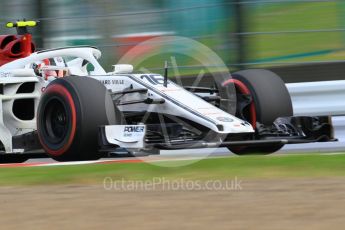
(69,113)
(270,100)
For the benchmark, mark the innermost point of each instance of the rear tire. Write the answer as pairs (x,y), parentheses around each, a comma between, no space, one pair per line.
(70,111)
(270,99)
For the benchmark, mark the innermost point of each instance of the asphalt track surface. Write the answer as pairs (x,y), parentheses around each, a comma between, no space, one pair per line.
(327,148)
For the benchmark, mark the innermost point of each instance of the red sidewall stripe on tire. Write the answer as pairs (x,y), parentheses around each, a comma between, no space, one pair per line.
(59,89)
(244,90)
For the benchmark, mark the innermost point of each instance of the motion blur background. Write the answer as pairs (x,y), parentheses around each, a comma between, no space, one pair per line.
(300,40)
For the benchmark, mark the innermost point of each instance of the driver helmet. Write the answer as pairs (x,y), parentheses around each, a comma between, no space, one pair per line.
(56,61)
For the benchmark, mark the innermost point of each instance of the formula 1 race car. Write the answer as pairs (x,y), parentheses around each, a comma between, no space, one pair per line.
(63,103)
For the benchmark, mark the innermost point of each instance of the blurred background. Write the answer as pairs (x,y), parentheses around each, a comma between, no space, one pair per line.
(300,40)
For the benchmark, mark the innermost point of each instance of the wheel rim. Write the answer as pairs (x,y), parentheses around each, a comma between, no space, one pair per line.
(250,114)
(56,120)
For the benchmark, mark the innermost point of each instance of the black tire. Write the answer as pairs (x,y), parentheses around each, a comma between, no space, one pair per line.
(69,113)
(270,95)
(12,158)
(271,99)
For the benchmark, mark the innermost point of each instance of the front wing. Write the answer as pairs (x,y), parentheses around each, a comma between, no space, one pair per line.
(286,130)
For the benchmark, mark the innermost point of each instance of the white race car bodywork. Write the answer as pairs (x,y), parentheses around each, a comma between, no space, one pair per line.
(177,101)
(10,124)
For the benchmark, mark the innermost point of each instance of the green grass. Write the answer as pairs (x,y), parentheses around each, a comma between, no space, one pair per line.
(274,166)
(285,47)
(295,16)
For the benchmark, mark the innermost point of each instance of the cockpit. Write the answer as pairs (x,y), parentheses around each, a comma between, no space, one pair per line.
(61,62)
(58,67)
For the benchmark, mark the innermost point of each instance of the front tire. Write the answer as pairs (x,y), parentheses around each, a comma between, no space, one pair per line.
(70,111)
(270,100)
